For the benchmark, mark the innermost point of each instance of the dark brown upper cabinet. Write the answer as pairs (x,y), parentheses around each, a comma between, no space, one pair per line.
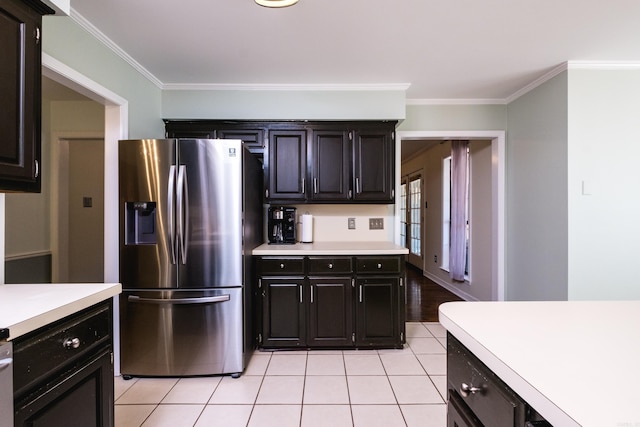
(21,94)
(330,165)
(286,166)
(373,164)
(253,134)
(346,162)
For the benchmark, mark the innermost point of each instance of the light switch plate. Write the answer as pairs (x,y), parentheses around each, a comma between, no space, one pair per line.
(351,224)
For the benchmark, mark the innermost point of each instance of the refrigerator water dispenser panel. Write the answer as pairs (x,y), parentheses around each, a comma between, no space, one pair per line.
(140,223)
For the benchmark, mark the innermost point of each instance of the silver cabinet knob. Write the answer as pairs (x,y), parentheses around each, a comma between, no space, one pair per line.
(379,266)
(71,343)
(330,265)
(281,265)
(466,389)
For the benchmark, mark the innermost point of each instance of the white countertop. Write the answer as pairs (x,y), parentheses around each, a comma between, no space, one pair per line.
(24,308)
(332,248)
(577,363)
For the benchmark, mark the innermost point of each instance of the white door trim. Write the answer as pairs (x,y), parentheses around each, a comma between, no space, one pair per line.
(116,127)
(498,173)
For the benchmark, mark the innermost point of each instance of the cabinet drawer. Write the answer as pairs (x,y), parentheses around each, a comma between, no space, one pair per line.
(379,265)
(330,265)
(471,382)
(281,265)
(42,352)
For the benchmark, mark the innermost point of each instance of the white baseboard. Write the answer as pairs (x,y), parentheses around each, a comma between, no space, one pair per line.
(456,291)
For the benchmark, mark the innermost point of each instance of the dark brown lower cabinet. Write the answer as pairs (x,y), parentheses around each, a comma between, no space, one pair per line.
(283,312)
(331,306)
(63,372)
(378,312)
(330,313)
(478,397)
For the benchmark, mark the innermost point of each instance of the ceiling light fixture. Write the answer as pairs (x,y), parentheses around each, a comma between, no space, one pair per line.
(276,3)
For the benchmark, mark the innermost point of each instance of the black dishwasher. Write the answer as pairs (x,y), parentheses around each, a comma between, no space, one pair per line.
(478,398)
(63,372)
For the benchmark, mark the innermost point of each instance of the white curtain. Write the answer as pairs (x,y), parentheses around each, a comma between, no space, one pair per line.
(458,242)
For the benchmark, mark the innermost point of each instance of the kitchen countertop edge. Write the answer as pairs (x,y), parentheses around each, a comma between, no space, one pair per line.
(331,248)
(27,307)
(549,352)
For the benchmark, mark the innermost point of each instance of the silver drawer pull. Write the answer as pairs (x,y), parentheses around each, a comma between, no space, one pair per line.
(379,265)
(71,343)
(466,389)
(330,265)
(281,265)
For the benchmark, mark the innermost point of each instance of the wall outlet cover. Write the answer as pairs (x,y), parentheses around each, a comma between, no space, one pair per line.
(351,223)
(376,223)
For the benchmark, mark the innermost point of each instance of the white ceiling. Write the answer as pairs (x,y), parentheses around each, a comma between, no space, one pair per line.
(446,49)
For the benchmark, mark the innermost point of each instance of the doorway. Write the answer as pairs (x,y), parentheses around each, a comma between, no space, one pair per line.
(78,214)
(493,287)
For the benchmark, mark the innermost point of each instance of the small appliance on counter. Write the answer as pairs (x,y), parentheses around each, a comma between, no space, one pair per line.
(281,225)
(306,228)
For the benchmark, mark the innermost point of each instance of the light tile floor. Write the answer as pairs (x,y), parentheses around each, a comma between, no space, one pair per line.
(358,388)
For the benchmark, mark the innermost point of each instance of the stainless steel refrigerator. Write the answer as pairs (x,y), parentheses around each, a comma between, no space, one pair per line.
(190,214)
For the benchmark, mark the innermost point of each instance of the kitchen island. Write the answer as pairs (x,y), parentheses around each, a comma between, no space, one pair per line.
(330,295)
(62,339)
(575,363)
(26,307)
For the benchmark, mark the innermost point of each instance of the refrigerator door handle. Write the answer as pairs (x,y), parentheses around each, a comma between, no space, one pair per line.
(170,216)
(183,212)
(202,300)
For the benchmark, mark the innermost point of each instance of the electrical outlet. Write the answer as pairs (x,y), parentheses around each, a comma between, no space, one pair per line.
(435,259)
(351,223)
(376,223)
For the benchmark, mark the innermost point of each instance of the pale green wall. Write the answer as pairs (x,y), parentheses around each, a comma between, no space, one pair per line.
(604,150)
(454,117)
(283,105)
(70,44)
(536,194)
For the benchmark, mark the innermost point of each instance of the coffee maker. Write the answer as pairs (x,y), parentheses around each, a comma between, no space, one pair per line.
(281,224)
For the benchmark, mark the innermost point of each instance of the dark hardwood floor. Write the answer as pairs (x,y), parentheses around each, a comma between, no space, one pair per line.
(424,296)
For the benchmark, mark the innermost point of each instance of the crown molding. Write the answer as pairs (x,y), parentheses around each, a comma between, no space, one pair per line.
(91,29)
(451,101)
(288,87)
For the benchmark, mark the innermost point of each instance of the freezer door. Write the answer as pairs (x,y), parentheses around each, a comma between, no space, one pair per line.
(209,213)
(181,333)
(147,177)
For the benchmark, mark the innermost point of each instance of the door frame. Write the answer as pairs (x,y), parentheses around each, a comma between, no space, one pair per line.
(116,127)
(498,172)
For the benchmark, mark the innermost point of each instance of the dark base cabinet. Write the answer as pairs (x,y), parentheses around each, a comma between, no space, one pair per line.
(477,397)
(326,302)
(63,373)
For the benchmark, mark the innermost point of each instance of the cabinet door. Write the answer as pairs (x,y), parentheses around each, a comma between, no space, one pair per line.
(330,312)
(287,165)
(377,312)
(81,397)
(253,138)
(283,312)
(20,91)
(373,164)
(330,169)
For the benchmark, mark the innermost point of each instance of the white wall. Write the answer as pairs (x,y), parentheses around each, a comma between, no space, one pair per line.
(604,152)
(330,222)
(536,194)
